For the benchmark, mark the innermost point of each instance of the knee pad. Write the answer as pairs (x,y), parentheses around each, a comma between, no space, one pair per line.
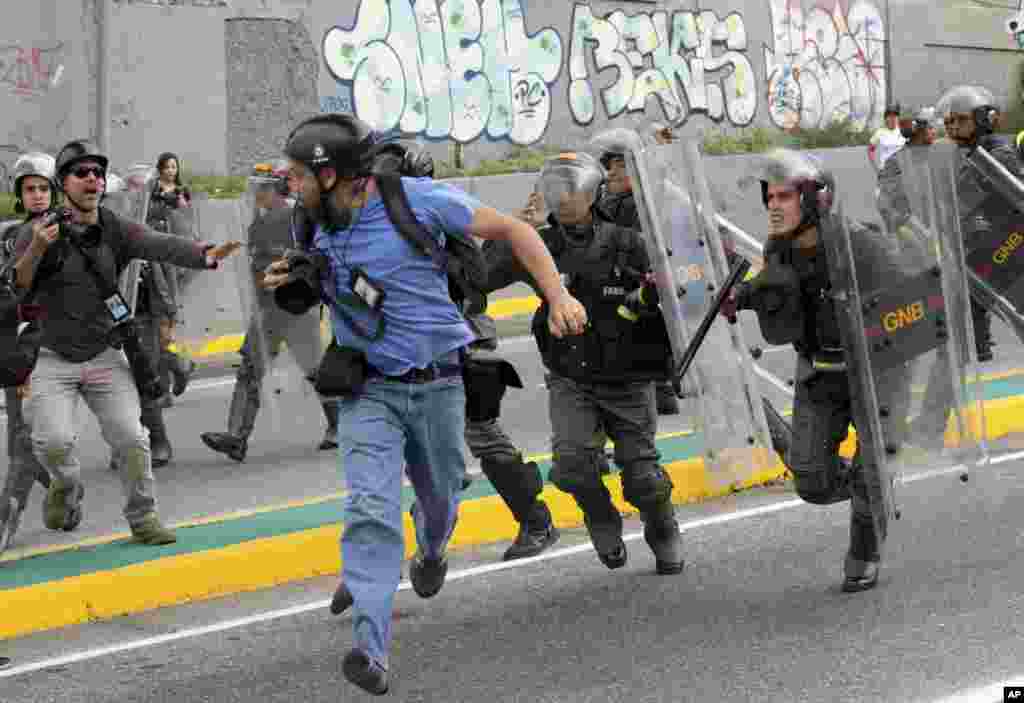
(820,487)
(646,484)
(57,450)
(577,474)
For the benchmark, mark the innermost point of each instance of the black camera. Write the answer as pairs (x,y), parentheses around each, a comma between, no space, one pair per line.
(170,199)
(56,216)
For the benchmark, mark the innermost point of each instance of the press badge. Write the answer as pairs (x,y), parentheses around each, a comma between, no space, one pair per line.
(118,308)
(367,292)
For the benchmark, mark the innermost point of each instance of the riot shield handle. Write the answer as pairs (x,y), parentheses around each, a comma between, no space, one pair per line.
(736,274)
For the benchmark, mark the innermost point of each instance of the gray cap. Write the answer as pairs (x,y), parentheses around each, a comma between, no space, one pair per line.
(965,99)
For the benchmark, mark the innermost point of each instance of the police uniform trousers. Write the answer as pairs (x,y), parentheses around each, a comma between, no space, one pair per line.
(270,327)
(628,414)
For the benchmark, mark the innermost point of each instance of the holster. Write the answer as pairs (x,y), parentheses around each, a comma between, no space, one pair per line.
(342,371)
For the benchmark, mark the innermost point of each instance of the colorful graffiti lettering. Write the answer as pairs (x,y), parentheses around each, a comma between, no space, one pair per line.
(1015,26)
(827,63)
(686,76)
(458,69)
(30,71)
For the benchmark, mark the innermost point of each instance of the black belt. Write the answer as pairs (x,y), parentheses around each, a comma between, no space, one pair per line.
(434,372)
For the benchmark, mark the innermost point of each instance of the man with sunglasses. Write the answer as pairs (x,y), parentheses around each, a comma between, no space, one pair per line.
(70,267)
(269,237)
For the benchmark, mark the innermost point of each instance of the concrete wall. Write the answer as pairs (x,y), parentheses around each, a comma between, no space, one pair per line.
(488,73)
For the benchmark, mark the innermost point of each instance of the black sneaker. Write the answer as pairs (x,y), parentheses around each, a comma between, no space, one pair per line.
(427,575)
(342,599)
(534,536)
(225,443)
(864,581)
(360,670)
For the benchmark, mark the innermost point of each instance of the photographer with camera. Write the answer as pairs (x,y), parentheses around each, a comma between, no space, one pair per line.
(396,358)
(33,192)
(69,263)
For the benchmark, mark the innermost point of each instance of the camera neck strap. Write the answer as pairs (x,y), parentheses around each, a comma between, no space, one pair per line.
(107,288)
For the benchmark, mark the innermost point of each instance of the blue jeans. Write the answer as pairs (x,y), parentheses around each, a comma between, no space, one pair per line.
(388,427)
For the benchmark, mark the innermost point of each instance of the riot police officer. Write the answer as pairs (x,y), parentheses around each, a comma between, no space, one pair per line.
(617,203)
(34,191)
(270,235)
(604,377)
(792,298)
(972,115)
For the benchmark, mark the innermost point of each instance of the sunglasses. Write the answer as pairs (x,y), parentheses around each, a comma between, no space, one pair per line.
(85,171)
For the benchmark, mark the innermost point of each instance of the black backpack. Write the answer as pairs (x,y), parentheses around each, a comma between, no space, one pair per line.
(462,258)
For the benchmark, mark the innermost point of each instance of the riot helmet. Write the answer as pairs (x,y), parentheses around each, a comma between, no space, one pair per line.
(75,152)
(405,157)
(342,142)
(267,188)
(805,174)
(33,164)
(338,141)
(569,184)
(615,201)
(923,120)
(973,100)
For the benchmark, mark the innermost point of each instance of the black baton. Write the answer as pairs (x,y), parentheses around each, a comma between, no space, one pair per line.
(739,270)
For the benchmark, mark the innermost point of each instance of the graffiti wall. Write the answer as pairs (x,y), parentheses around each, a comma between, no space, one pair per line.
(825,63)
(459,70)
(485,69)
(1015,26)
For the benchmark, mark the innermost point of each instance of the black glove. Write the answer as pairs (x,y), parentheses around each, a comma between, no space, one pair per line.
(302,289)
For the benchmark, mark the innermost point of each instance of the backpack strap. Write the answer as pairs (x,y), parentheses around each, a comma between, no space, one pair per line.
(396,202)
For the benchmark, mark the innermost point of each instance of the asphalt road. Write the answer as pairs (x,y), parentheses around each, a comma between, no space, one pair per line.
(756,616)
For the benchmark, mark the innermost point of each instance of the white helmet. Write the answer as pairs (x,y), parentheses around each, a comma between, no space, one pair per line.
(33,163)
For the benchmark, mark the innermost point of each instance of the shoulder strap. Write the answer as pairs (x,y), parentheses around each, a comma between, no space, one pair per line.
(106,287)
(396,202)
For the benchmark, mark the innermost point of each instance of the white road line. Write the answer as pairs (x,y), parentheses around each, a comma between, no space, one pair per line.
(189,633)
(987,694)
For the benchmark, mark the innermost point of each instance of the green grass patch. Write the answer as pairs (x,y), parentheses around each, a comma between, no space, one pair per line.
(7,206)
(759,139)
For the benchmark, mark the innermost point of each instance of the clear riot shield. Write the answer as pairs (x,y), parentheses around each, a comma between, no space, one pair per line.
(132,202)
(689,263)
(904,314)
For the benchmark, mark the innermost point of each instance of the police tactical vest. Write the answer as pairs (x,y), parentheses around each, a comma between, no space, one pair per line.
(600,272)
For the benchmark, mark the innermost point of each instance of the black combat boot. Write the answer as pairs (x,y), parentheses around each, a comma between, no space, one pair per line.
(661,532)
(520,484)
(668,403)
(181,372)
(536,533)
(159,445)
(234,447)
(860,569)
(605,532)
(330,440)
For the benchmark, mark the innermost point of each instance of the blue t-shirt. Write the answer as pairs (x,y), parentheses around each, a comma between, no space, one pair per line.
(422,322)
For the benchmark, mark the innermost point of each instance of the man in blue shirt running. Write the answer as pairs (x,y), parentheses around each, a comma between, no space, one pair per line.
(398,331)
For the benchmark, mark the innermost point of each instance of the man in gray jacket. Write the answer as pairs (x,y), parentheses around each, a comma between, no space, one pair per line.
(70,268)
